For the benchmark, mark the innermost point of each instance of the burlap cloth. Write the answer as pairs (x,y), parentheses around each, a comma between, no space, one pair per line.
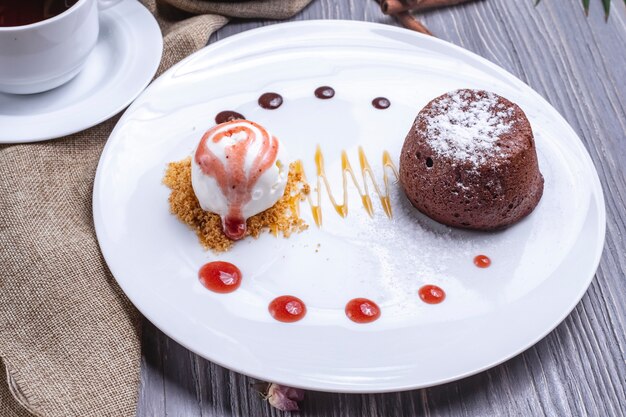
(69,338)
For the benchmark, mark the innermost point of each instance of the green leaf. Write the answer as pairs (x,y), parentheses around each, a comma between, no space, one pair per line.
(606,4)
(607,8)
(586,6)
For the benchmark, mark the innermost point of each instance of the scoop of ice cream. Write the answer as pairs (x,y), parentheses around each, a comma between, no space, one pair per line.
(238,170)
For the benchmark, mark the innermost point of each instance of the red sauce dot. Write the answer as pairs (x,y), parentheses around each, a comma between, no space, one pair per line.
(432,294)
(221,277)
(362,310)
(482,261)
(287,308)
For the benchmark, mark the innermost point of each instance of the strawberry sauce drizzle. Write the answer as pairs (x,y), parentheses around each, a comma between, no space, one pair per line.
(231,177)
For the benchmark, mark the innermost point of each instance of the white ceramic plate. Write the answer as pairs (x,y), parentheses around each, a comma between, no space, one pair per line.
(541,266)
(123,62)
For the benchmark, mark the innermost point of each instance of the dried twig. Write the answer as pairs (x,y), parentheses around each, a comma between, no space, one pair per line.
(392,7)
(407,20)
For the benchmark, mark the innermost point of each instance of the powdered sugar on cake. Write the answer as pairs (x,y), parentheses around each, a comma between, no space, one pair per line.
(465,126)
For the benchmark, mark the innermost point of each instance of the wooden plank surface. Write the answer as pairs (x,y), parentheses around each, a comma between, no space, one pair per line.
(579,65)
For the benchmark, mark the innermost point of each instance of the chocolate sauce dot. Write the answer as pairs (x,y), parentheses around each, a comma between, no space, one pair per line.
(381,103)
(228,116)
(270,101)
(324,92)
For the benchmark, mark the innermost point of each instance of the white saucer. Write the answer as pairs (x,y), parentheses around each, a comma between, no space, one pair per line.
(122,64)
(541,266)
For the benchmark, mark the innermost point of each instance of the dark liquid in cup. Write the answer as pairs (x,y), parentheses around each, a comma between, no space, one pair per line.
(25,12)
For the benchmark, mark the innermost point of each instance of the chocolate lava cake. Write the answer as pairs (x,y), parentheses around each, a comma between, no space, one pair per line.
(469,161)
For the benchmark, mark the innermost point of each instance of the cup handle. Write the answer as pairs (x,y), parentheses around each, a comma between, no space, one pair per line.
(105,4)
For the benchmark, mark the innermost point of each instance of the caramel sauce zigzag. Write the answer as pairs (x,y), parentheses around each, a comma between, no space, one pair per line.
(347,173)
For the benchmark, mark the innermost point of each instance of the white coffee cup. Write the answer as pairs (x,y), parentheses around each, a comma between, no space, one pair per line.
(46,54)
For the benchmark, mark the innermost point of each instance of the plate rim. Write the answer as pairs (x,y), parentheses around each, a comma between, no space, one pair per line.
(596,196)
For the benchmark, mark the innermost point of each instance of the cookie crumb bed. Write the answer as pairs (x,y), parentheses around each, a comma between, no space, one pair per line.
(282,218)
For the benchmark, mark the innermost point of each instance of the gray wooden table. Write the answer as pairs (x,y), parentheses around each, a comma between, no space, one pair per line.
(579,65)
